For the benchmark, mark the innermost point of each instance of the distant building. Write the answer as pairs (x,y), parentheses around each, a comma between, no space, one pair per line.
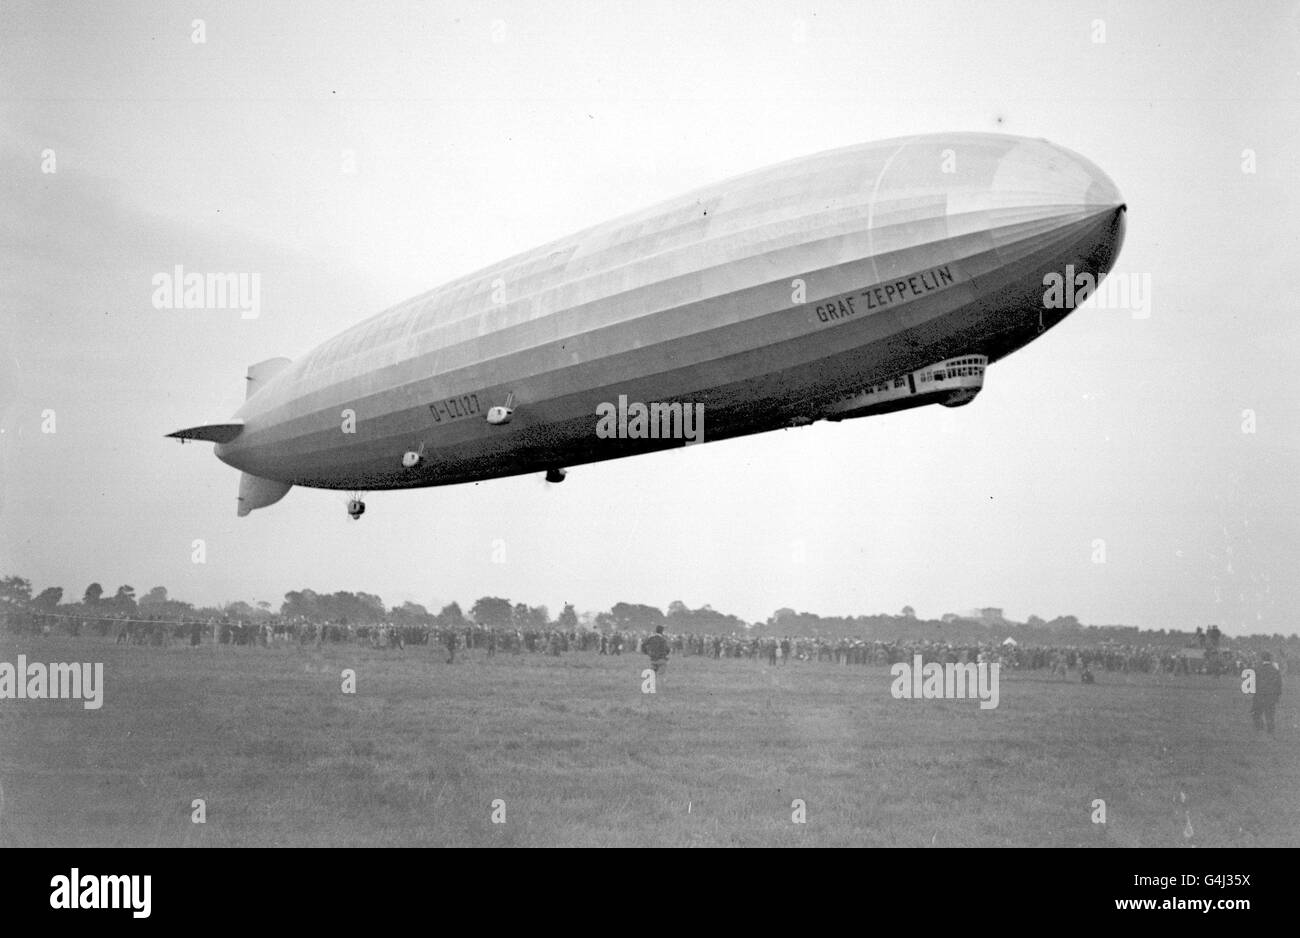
(989,615)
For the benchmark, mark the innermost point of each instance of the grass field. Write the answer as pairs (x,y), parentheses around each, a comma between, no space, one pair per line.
(580,756)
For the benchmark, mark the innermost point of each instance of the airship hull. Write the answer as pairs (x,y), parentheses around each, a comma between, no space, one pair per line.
(763,300)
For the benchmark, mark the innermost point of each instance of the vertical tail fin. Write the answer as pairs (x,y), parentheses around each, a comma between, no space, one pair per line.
(262,372)
(256,492)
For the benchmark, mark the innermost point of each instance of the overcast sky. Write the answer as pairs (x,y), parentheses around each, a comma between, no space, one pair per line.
(482,129)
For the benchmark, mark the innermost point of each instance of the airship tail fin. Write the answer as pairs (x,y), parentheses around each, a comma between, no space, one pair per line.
(262,372)
(212,432)
(256,492)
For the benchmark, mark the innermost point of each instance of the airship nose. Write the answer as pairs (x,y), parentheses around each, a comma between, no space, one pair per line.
(1111,238)
(1039,171)
(1060,197)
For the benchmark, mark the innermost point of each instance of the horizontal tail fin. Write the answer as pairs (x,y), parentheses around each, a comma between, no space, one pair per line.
(256,492)
(212,432)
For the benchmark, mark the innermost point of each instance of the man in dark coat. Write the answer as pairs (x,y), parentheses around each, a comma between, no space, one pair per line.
(1268,688)
(657,647)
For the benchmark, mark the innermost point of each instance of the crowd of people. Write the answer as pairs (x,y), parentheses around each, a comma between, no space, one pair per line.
(279,631)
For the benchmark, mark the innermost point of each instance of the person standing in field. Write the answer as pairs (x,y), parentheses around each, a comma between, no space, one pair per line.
(657,647)
(1268,688)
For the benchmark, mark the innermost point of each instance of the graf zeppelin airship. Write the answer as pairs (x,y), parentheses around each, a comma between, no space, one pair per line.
(853,282)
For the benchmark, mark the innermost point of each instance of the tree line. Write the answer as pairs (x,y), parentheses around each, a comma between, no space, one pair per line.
(361,608)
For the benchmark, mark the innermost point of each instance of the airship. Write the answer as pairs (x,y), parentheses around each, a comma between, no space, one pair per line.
(854,282)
